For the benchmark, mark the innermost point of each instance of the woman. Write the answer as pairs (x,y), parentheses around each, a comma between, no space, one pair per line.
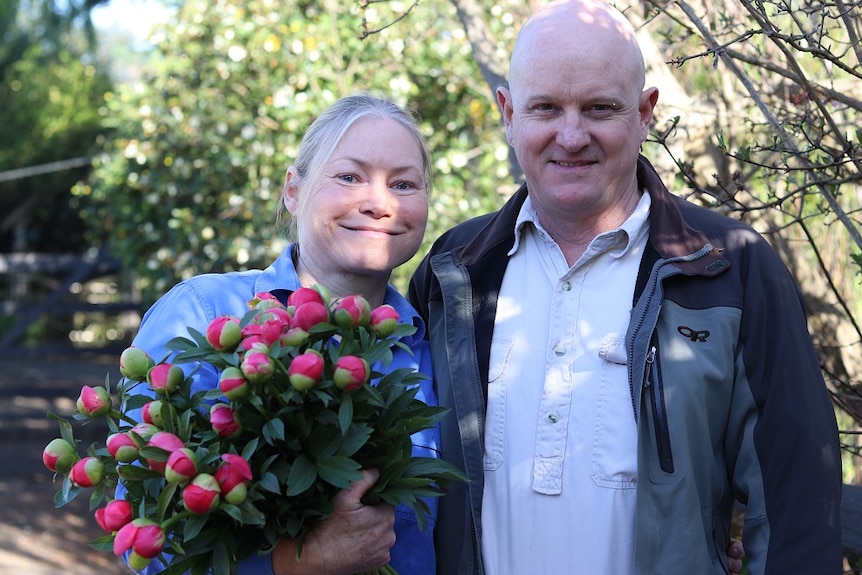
(358,197)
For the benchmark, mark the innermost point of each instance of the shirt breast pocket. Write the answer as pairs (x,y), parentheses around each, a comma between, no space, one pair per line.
(495,414)
(614,453)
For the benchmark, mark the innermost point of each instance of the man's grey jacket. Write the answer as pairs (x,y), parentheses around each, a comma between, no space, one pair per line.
(749,419)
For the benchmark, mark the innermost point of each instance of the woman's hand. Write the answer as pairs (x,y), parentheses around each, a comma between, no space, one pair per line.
(355,538)
(735,553)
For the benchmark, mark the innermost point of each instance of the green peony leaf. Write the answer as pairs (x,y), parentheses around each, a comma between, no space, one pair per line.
(302,475)
(339,471)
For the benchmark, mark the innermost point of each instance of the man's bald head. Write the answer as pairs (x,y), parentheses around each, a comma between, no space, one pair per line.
(588,30)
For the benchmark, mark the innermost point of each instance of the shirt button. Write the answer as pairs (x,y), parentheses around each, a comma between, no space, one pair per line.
(553,417)
(560,351)
(567,286)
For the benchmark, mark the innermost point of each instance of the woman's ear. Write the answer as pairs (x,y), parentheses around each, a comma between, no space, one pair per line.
(290,192)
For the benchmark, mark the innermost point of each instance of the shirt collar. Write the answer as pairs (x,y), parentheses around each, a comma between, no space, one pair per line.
(617,242)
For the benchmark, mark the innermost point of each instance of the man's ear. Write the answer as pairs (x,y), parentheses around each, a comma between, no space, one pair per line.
(504,100)
(290,192)
(646,105)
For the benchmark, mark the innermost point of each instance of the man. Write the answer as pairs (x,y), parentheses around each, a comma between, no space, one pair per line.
(622,365)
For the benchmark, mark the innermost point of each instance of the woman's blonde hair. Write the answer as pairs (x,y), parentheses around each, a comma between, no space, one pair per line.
(326,132)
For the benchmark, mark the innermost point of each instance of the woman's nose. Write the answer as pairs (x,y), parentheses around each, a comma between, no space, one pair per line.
(378,199)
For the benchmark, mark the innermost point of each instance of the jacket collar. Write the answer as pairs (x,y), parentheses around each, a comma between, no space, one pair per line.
(670,235)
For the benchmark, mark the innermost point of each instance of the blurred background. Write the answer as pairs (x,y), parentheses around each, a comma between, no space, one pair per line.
(142,142)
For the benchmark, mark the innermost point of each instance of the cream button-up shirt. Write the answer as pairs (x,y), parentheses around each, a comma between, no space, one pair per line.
(560,434)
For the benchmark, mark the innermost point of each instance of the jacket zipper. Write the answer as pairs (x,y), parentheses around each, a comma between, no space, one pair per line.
(662,434)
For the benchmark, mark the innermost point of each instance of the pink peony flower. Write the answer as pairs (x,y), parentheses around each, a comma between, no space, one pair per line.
(352,311)
(144,537)
(224,421)
(202,495)
(135,363)
(94,401)
(87,472)
(305,370)
(351,372)
(233,477)
(122,447)
(309,315)
(181,466)
(113,516)
(384,320)
(233,384)
(167,442)
(144,430)
(223,333)
(305,295)
(165,378)
(152,413)
(256,365)
(59,455)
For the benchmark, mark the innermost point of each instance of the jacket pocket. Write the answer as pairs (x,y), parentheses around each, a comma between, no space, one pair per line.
(655,392)
(495,414)
(614,443)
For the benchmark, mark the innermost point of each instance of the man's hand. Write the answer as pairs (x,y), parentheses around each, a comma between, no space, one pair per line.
(354,539)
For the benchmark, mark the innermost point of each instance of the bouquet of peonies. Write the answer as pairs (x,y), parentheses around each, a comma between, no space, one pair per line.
(211,477)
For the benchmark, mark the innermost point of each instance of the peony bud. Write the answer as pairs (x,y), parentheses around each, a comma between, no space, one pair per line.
(59,455)
(223,333)
(294,337)
(181,466)
(145,431)
(233,384)
(144,537)
(224,421)
(167,442)
(257,366)
(233,477)
(165,378)
(352,311)
(94,401)
(304,295)
(135,363)
(113,516)
(87,472)
(384,320)
(263,300)
(309,315)
(202,495)
(122,447)
(251,339)
(305,369)
(152,413)
(350,372)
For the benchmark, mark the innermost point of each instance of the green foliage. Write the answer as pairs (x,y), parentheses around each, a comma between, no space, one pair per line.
(191,179)
(50,96)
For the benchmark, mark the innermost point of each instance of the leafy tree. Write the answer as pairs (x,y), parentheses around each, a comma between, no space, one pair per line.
(51,89)
(190,182)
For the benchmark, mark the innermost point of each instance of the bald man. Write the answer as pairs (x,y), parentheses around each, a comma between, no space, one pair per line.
(623,366)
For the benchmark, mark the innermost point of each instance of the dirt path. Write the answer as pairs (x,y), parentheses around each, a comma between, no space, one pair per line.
(35,537)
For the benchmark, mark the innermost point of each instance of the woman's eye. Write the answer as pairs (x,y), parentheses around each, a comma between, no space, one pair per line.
(348,178)
(405,187)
